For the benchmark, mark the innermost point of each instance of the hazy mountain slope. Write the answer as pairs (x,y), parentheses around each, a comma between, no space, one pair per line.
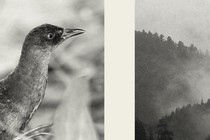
(191,122)
(168,75)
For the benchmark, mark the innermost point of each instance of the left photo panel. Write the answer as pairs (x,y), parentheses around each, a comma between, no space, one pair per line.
(52,70)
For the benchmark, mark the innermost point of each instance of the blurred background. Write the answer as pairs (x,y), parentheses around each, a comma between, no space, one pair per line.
(74,100)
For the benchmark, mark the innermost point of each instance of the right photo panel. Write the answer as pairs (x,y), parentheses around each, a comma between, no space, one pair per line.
(172,70)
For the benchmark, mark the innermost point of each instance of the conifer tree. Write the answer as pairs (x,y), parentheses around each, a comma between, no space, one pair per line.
(140,133)
(163,132)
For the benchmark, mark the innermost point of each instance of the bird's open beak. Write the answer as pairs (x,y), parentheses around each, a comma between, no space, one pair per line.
(67,33)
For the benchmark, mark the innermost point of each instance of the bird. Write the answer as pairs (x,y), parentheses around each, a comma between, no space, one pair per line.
(22,91)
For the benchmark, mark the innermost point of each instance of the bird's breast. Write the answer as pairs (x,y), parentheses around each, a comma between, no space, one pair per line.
(23,98)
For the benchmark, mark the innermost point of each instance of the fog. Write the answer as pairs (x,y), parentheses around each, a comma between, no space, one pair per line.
(196,81)
(185,20)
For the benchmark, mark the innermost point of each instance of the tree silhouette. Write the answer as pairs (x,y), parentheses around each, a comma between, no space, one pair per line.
(140,133)
(150,135)
(163,132)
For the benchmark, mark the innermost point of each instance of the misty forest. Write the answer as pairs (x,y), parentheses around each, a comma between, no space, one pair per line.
(172,89)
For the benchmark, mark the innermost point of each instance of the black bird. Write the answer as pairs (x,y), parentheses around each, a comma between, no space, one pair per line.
(23,90)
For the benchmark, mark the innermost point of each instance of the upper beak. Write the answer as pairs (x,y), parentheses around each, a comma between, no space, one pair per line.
(71,32)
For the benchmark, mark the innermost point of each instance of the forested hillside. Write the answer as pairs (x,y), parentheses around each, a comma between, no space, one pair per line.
(169,76)
(191,122)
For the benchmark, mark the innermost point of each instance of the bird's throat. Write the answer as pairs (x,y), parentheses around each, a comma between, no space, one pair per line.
(34,63)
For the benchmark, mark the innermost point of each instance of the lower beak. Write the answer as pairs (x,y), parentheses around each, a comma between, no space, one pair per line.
(67,33)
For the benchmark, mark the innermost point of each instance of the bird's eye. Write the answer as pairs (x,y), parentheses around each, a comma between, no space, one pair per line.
(50,36)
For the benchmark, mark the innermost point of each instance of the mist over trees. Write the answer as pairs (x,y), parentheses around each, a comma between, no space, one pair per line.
(170,79)
(191,122)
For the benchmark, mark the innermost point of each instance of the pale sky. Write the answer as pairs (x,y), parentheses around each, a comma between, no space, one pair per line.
(185,20)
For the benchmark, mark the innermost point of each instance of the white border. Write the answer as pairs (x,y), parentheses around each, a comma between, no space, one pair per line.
(119,69)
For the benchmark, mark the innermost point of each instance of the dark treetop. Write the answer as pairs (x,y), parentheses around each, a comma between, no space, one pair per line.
(23,90)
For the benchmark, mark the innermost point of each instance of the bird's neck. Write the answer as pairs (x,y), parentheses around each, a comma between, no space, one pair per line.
(33,64)
(26,85)
(32,68)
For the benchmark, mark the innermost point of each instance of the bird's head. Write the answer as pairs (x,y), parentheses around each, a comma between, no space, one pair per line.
(48,37)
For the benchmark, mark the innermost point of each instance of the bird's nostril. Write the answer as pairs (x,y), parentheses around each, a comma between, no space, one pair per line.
(60,31)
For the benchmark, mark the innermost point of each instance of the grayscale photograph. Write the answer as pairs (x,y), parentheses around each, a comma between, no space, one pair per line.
(172,70)
(52,70)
